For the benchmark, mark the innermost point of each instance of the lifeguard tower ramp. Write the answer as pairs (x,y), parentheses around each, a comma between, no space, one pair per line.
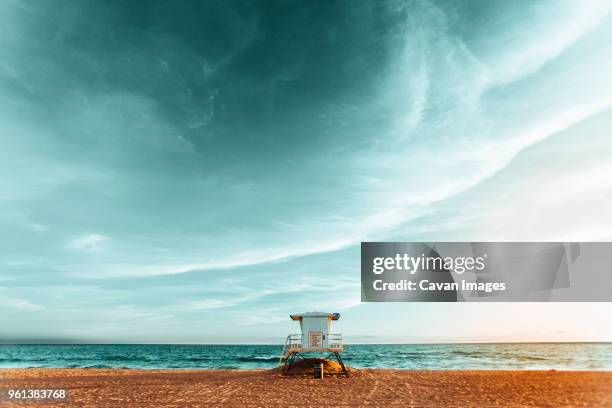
(315,337)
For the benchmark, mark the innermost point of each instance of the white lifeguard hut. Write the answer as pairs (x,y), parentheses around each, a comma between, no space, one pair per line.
(316,337)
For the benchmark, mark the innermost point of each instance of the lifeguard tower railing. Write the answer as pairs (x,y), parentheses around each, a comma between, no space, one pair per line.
(294,343)
(294,347)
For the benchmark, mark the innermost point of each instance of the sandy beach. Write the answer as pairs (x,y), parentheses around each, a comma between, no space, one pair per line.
(259,388)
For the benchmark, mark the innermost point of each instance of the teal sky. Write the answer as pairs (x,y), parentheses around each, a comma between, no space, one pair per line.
(196,171)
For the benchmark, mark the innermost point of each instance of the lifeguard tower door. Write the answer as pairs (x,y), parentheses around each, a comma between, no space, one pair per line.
(315,329)
(315,339)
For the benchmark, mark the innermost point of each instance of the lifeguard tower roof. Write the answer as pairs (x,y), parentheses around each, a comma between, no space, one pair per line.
(330,316)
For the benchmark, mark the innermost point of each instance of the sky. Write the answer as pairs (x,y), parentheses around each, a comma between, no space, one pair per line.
(193,172)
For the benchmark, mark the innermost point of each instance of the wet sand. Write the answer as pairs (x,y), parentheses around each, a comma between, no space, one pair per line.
(265,388)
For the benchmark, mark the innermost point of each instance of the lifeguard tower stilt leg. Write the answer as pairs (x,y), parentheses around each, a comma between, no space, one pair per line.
(339,360)
(315,338)
(290,360)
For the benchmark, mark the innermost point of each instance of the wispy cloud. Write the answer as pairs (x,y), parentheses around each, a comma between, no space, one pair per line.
(89,243)
(19,304)
(555,31)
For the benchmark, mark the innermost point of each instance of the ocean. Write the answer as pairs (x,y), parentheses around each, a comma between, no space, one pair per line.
(511,356)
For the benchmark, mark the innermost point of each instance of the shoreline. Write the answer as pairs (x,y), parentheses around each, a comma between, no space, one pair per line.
(264,387)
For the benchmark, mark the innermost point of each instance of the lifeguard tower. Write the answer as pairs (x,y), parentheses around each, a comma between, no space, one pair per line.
(315,338)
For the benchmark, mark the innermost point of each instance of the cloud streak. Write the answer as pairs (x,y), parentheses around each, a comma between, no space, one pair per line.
(89,243)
